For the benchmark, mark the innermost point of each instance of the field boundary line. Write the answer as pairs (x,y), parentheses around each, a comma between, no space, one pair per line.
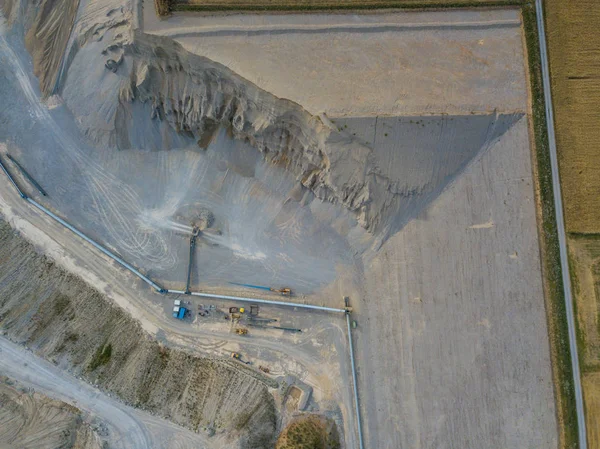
(229,30)
(560,225)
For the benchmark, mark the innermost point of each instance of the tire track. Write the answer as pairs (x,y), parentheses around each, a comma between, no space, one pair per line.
(128,428)
(110,196)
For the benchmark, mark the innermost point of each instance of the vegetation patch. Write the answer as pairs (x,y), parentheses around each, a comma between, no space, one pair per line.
(555,299)
(61,304)
(309,432)
(162,7)
(102,357)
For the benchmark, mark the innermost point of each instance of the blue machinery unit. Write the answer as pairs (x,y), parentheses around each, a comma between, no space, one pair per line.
(180,315)
(259,287)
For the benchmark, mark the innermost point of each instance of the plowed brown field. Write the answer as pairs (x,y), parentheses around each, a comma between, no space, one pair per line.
(574,46)
(574,52)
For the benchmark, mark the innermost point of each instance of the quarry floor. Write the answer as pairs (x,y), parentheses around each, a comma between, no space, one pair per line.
(452,346)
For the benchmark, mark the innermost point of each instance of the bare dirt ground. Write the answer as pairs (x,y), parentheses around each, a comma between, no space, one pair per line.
(454,333)
(452,342)
(366,64)
(33,420)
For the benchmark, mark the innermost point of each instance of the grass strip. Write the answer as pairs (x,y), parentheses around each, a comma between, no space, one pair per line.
(559,336)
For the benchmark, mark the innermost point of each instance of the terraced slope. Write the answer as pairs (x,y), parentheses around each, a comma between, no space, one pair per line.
(67,322)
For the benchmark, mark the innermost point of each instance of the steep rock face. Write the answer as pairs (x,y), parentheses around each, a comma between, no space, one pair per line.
(48,25)
(47,39)
(191,93)
(156,83)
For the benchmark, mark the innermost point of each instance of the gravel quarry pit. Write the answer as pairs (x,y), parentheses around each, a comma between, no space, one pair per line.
(402,180)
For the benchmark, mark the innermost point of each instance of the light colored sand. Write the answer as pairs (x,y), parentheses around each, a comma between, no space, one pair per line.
(452,346)
(452,341)
(367,64)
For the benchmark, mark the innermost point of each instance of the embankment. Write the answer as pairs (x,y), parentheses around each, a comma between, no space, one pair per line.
(34,420)
(64,320)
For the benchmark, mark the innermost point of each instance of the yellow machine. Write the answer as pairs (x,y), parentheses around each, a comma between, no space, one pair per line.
(235,355)
(241,331)
(285,291)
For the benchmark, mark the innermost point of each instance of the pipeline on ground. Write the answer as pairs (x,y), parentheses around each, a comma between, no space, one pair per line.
(27,175)
(260,301)
(76,231)
(354,384)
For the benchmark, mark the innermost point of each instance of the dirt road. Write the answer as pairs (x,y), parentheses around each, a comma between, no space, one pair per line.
(128,428)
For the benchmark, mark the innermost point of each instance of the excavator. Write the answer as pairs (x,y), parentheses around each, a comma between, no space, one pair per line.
(285,291)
